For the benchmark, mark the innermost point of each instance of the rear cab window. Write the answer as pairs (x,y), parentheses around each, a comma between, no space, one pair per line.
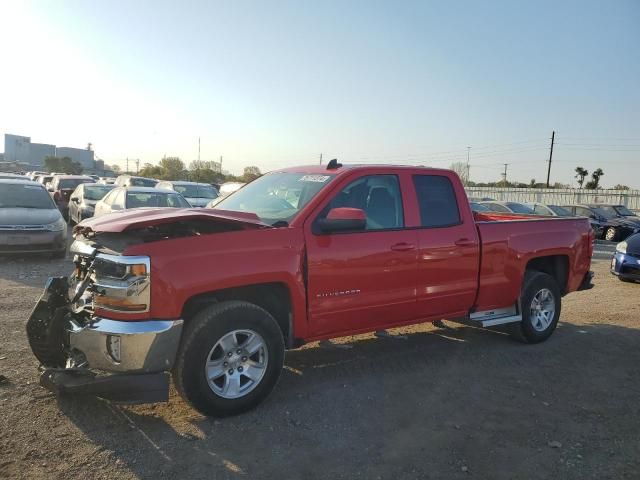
(437,201)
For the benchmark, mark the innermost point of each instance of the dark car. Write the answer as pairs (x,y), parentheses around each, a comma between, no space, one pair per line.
(83,200)
(614,227)
(62,186)
(29,220)
(625,263)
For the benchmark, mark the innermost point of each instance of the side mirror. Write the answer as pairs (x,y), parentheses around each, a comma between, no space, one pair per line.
(75,200)
(49,189)
(343,219)
(115,206)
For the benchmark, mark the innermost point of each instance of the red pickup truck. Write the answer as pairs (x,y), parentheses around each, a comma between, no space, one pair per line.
(214,297)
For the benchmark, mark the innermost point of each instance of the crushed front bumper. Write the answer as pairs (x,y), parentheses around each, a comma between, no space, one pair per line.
(127,346)
(133,357)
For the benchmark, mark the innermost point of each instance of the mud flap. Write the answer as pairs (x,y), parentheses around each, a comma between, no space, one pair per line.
(46,324)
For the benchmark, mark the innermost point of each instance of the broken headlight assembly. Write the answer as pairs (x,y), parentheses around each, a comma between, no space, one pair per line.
(121,283)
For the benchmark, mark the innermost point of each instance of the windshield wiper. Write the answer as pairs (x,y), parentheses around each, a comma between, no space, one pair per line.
(280,224)
(20,206)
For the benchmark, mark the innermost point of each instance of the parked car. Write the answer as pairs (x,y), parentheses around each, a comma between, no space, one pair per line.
(123,198)
(107,181)
(614,227)
(625,263)
(13,176)
(229,187)
(83,200)
(623,211)
(133,181)
(218,294)
(197,194)
(549,210)
(558,211)
(95,177)
(507,207)
(33,175)
(30,222)
(61,188)
(478,207)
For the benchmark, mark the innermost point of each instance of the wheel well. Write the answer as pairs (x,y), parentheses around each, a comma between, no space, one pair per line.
(273,297)
(555,265)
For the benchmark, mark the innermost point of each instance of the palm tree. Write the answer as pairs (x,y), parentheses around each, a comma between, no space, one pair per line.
(581,174)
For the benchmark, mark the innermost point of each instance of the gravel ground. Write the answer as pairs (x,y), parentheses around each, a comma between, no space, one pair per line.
(455,403)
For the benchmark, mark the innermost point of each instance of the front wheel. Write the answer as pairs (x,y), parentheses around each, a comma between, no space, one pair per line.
(230,358)
(611,234)
(540,303)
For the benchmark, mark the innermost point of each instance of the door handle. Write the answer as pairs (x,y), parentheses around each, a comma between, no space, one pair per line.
(402,247)
(464,242)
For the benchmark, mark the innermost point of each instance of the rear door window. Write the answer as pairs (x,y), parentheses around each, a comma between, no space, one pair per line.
(436,200)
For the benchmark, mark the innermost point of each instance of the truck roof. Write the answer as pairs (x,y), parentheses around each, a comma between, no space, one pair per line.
(322,169)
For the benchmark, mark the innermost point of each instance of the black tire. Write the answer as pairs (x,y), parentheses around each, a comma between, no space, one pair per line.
(201,334)
(533,283)
(611,234)
(627,280)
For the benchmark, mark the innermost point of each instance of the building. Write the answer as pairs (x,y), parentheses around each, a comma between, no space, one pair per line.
(22,150)
(83,157)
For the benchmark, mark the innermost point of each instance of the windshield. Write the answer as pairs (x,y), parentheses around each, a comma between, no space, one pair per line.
(519,208)
(71,183)
(142,182)
(143,199)
(276,197)
(624,211)
(607,212)
(96,192)
(24,196)
(562,212)
(196,191)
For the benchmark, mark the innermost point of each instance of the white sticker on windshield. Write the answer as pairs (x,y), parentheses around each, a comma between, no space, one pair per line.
(315,178)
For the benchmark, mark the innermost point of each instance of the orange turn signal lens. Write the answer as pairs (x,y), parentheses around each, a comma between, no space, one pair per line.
(118,304)
(138,270)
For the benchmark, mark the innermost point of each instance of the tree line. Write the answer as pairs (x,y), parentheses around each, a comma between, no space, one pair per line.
(581,175)
(172,168)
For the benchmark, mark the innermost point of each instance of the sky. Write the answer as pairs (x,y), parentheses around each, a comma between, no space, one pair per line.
(276,84)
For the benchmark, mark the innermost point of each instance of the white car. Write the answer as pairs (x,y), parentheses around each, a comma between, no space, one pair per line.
(197,194)
(123,198)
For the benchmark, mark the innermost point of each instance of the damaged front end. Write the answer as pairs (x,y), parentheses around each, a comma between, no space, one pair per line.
(124,361)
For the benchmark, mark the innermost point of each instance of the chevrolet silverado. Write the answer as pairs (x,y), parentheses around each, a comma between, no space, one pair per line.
(214,297)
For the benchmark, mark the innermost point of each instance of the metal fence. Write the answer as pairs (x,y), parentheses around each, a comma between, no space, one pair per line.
(558,196)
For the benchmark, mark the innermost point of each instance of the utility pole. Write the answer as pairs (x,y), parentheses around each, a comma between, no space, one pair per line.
(504,175)
(468,167)
(220,163)
(127,165)
(137,166)
(553,137)
(320,159)
(198,149)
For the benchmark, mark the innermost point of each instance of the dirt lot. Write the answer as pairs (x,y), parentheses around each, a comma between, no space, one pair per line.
(459,403)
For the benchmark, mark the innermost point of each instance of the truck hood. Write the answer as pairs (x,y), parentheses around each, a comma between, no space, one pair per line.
(139,218)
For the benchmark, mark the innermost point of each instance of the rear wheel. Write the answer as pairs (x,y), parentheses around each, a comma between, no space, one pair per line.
(230,358)
(540,303)
(611,234)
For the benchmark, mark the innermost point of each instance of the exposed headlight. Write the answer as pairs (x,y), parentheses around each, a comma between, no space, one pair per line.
(621,247)
(122,284)
(56,226)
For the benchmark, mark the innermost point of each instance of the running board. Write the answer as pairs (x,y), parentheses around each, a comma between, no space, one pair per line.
(498,316)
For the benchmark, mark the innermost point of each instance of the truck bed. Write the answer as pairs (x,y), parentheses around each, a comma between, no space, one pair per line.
(509,242)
